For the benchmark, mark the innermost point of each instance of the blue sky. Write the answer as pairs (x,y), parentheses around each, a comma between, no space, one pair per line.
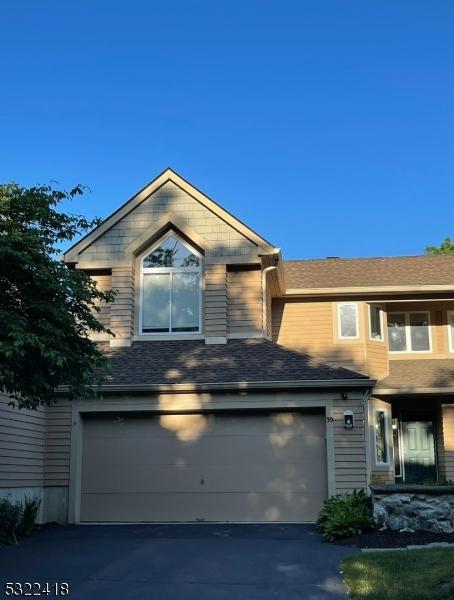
(328,127)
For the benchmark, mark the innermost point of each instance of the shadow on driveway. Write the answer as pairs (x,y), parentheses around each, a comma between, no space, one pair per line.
(173,562)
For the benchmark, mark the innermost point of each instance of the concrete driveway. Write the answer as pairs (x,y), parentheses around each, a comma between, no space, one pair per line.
(173,562)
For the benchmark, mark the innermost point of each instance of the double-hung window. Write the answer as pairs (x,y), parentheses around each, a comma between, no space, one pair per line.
(409,332)
(348,322)
(375,322)
(171,288)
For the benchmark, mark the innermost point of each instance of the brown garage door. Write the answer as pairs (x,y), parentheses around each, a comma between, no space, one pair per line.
(224,467)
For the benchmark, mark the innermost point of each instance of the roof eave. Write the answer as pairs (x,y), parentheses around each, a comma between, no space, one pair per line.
(361,290)
(232,385)
(72,254)
(413,391)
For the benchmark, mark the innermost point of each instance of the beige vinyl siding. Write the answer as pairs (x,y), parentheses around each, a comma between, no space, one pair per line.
(446,442)
(377,359)
(215,301)
(34,445)
(312,327)
(244,301)
(223,238)
(439,443)
(103,283)
(58,444)
(122,310)
(22,446)
(349,446)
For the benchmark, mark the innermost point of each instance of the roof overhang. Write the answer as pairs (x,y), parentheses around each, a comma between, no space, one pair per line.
(232,386)
(409,391)
(72,255)
(370,290)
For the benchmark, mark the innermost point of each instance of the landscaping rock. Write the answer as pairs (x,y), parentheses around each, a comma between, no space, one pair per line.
(430,509)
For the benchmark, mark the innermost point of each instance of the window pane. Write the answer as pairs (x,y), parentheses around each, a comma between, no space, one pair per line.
(419,331)
(171,253)
(375,323)
(396,333)
(185,302)
(156,302)
(347,314)
(380,437)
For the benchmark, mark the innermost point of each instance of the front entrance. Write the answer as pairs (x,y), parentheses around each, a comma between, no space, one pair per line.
(414,450)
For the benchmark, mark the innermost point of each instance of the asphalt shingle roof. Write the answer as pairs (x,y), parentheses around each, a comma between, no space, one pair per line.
(427,373)
(193,361)
(367,272)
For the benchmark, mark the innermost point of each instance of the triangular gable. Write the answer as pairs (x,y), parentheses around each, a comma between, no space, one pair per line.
(168,175)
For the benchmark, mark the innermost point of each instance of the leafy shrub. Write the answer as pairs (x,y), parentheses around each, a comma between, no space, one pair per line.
(10,515)
(17,519)
(30,509)
(345,515)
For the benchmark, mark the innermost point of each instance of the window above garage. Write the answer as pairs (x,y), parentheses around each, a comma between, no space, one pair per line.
(171,276)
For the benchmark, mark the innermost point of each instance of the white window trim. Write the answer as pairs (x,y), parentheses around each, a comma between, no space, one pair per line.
(450,345)
(145,270)
(382,337)
(388,451)
(408,334)
(339,327)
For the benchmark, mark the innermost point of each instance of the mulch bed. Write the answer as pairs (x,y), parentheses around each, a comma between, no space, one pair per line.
(395,539)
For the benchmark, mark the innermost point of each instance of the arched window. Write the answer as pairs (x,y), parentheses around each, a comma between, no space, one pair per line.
(170,288)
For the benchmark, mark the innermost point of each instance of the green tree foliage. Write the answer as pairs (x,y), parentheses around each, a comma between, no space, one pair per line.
(46,308)
(446,247)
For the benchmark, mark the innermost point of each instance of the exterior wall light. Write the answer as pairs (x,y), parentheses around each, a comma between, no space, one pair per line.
(348,419)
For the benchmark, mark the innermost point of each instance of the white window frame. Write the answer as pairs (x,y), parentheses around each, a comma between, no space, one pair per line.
(408,331)
(450,345)
(170,270)
(339,327)
(388,450)
(382,337)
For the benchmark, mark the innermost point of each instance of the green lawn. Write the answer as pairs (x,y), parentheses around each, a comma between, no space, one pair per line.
(402,575)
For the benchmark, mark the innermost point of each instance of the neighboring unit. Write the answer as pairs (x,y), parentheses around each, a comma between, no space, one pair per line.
(242,387)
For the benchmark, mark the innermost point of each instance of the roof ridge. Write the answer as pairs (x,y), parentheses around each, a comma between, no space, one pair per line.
(348,258)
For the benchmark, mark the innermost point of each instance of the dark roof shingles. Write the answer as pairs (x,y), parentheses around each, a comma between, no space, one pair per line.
(367,272)
(193,361)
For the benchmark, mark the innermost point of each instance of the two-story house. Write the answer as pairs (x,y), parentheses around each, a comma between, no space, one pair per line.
(242,387)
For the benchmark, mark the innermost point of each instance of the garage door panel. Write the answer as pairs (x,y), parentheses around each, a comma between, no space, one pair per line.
(231,467)
(170,425)
(237,507)
(217,450)
(232,478)
(212,425)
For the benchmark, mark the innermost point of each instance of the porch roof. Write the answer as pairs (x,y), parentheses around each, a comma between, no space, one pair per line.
(419,373)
